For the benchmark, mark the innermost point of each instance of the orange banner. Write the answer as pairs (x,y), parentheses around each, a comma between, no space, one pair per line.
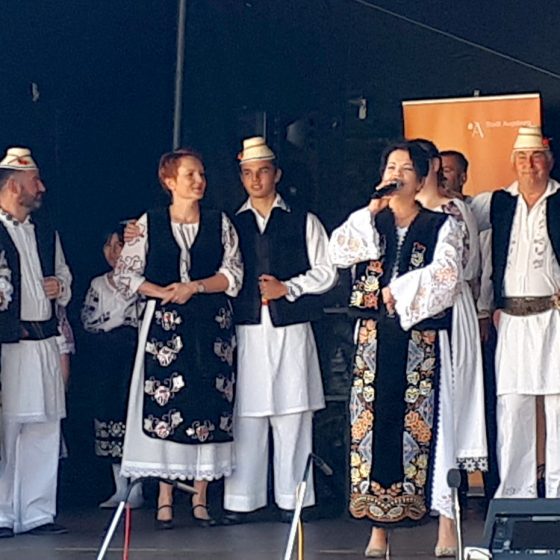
(482,128)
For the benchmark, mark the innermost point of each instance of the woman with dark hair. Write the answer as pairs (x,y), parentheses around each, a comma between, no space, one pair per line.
(112,323)
(186,262)
(408,272)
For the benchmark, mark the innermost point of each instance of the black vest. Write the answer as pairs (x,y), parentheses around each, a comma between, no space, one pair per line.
(281,250)
(163,259)
(417,251)
(502,212)
(10,319)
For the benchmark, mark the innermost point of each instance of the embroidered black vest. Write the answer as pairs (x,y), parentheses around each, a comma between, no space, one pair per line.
(417,251)
(163,259)
(281,250)
(10,319)
(502,212)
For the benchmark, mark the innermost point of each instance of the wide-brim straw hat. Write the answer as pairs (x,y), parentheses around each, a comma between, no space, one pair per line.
(18,159)
(255,149)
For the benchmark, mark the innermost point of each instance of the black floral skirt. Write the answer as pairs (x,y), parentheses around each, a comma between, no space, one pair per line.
(189,373)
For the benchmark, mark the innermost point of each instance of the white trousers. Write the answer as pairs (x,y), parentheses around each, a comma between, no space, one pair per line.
(28,474)
(517,446)
(246,489)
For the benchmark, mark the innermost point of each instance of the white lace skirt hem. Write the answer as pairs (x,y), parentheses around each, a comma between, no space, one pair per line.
(196,462)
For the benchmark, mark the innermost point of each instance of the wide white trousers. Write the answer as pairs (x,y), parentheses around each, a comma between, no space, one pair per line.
(246,489)
(28,474)
(517,446)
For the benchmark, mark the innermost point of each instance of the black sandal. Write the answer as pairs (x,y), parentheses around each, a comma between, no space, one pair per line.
(164,524)
(204,523)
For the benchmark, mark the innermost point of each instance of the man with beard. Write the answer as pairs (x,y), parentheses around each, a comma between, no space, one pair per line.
(32,384)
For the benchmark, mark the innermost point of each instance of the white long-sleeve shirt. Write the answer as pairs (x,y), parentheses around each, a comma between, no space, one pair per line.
(419,293)
(278,367)
(32,385)
(531,267)
(528,349)
(105,308)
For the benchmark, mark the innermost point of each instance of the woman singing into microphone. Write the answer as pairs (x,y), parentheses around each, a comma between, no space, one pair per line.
(408,273)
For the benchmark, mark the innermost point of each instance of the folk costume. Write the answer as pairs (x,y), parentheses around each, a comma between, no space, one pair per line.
(33,401)
(179,422)
(395,404)
(526,281)
(279,377)
(112,323)
(462,429)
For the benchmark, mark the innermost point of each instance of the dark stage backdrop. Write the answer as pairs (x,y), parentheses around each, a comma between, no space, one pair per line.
(100,114)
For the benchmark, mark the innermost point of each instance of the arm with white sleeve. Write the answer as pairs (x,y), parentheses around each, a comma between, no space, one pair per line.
(427,291)
(322,274)
(355,241)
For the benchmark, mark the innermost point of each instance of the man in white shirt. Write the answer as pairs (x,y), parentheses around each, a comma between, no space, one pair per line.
(525,221)
(285,256)
(32,385)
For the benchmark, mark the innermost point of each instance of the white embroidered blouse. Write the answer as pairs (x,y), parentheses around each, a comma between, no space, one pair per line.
(420,293)
(129,272)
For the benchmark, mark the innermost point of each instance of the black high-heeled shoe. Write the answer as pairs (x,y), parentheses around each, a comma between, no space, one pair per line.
(164,524)
(210,522)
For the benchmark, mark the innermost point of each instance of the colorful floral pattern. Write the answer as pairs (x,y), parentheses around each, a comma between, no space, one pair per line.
(406,499)
(366,289)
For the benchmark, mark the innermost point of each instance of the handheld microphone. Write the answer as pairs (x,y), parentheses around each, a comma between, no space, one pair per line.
(386,190)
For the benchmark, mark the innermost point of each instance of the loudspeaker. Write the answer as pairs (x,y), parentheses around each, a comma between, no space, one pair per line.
(523,528)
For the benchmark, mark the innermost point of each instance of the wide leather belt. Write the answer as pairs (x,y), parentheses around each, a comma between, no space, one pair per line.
(39,330)
(523,306)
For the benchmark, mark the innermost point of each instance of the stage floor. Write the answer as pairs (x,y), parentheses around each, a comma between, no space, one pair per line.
(333,539)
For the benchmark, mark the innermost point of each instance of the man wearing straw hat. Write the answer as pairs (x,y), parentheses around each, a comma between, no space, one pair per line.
(32,384)
(279,381)
(525,221)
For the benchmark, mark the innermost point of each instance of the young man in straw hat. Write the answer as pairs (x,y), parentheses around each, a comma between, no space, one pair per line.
(279,381)
(32,384)
(525,222)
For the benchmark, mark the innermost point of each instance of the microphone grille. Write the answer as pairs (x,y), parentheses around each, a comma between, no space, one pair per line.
(454,478)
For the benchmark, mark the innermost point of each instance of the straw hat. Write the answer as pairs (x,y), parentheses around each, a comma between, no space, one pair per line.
(255,149)
(530,138)
(18,159)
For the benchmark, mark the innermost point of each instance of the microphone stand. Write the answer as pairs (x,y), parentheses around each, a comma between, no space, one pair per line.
(454,482)
(300,497)
(124,503)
